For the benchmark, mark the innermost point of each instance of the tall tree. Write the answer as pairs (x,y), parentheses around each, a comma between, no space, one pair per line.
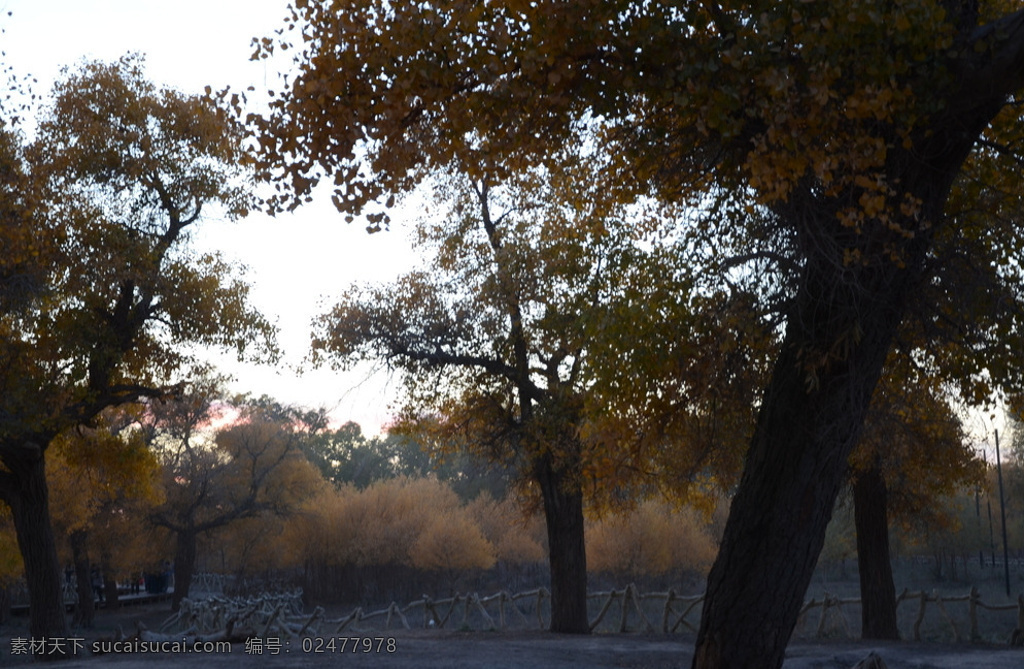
(849,121)
(251,468)
(507,337)
(118,172)
(912,454)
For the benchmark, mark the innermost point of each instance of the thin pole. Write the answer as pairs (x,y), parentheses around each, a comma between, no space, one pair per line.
(1002,513)
(977,514)
(991,525)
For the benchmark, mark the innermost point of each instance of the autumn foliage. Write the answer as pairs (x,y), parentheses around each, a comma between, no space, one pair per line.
(650,540)
(851,126)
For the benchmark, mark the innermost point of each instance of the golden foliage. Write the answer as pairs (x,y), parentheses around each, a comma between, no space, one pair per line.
(377,525)
(416,522)
(252,469)
(913,433)
(257,545)
(650,540)
(104,481)
(451,542)
(517,538)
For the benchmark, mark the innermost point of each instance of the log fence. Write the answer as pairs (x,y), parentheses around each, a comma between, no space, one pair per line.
(622,610)
(832,614)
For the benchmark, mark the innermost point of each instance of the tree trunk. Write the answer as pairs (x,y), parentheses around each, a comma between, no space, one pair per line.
(840,328)
(111,595)
(30,510)
(808,424)
(184,566)
(563,513)
(5,603)
(85,609)
(877,591)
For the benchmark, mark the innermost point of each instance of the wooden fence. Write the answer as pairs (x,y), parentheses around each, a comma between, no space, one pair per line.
(832,614)
(673,612)
(665,612)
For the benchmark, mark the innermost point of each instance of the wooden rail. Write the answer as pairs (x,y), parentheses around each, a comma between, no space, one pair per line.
(281,614)
(830,604)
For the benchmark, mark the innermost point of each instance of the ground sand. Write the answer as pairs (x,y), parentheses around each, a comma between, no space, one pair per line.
(430,649)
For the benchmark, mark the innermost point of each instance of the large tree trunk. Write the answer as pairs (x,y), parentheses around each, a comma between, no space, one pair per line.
(184,566)
(30,509)
(85,609)
(809,421)
(777,522)
(838,333)
(877,591)
(563,513)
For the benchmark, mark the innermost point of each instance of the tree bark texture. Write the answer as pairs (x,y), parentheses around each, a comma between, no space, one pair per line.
(184,566)
(877,591)
(563,513)
(30,510)
(85,609)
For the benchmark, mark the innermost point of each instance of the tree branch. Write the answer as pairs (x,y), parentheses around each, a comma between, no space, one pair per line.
(997,70)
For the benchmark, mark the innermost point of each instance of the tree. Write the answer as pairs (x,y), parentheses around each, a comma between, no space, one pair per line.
(103,294)
(848,121)
(911,455)
(253,468)
(11,567)
(508,337)
(102,481)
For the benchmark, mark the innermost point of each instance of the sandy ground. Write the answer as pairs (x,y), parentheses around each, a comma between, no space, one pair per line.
(430,649)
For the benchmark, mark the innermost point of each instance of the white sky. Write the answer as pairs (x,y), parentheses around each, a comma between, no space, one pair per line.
(297,263)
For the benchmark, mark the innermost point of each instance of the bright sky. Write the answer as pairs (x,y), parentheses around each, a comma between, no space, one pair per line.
(296,263)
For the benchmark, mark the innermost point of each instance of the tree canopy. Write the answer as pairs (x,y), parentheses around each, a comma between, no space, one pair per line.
(828,134)
(103,294)
(551,330)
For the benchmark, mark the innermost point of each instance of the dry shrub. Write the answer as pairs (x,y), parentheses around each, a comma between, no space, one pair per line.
(517,538)
(452,542)
(649,540)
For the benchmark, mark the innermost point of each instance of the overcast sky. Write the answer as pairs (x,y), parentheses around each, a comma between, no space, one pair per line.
(297,263)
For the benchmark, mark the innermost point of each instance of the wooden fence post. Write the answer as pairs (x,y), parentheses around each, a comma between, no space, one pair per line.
(667,611)
(920,616)
(945,614)
(972,610)
(686,612)
(604,609)
(826,602)
(625,608)
(638,603)
(1017,637)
